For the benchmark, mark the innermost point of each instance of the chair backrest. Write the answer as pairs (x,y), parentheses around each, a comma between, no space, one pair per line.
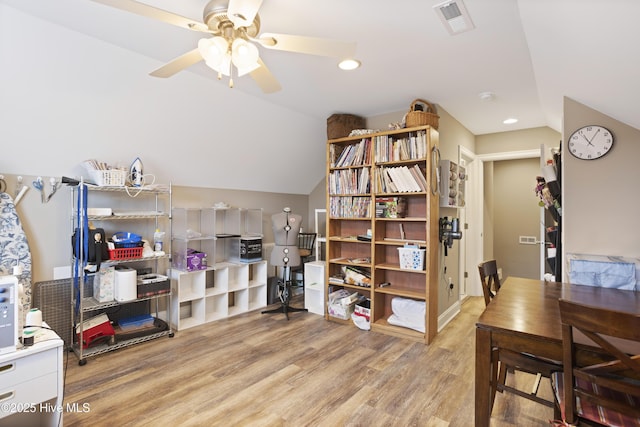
(608,385)
(489,279)
(306,242)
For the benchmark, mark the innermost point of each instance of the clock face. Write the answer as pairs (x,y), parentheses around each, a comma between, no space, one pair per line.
(590,142)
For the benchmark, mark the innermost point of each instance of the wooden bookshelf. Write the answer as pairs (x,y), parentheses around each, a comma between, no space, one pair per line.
(383,166)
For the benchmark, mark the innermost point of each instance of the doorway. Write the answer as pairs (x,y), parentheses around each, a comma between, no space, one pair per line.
(472,249)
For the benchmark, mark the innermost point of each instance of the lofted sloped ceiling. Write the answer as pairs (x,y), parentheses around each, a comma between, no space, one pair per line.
(529,53)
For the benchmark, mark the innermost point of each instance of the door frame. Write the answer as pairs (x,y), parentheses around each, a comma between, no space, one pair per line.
(477,250)
(470,221)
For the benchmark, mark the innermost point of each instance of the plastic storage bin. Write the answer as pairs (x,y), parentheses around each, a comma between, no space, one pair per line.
(411,258)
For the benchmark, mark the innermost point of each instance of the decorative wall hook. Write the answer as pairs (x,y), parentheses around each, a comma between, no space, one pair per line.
(39,185)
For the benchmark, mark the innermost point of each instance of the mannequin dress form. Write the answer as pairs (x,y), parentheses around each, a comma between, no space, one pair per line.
(285,254)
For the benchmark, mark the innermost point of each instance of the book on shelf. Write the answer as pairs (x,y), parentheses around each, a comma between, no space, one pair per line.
(362,260)
(349,181)
(336,279)
(418,177)
(352,155)
(401,180)
(356,276)
(413,146)
(349,207)
(391,207)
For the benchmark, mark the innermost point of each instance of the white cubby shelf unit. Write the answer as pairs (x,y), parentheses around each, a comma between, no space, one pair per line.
(227,285)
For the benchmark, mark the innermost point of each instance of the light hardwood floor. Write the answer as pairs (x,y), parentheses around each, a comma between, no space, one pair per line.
(263,370)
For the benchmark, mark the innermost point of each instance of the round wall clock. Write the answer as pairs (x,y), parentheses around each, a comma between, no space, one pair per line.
(590,142)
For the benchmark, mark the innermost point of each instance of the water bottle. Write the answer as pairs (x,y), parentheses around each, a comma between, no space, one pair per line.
(158,236)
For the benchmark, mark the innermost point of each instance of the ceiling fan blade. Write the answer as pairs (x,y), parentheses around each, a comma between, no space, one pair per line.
(155,13)
(308,45)
(265,79)
(178,64)
(243,12)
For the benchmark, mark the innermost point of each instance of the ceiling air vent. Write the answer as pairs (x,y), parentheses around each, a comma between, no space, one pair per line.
(454,16)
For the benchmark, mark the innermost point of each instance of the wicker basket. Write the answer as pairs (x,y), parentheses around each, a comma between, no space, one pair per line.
(341,125)
(108,178)
(422,118)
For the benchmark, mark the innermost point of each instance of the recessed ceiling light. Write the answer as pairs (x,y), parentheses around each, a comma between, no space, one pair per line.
(510,121)
(487,96)
(349,64)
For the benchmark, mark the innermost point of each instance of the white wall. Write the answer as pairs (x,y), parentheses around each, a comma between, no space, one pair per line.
(66,97)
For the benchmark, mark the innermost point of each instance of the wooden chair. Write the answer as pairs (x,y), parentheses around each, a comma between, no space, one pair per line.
(606,388)
(490,279)
(504,360)
(306,245)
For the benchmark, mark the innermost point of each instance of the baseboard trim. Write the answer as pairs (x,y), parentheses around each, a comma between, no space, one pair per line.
(448,315)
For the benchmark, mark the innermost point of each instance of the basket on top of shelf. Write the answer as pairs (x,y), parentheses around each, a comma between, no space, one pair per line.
(341,125)
(422,113)
(126,251)
(108,177)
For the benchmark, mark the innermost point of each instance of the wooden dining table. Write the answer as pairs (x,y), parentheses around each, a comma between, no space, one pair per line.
(525,317)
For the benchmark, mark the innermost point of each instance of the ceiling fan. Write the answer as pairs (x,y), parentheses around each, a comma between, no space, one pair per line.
(233,28)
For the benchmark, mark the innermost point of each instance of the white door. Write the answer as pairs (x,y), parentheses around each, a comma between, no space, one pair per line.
(471,225)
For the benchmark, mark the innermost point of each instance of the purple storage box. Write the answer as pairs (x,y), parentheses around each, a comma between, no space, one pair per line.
(196,260)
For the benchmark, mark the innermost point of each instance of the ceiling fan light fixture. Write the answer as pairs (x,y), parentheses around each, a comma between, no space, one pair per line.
(349,64)
(246,70)
(214,51)
(223,67)
(244,54)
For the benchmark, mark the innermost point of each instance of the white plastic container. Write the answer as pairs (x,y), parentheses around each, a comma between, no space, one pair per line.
(126,284)
(158,237)
(411,258)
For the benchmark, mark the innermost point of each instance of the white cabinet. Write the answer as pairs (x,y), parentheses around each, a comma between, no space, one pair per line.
(227,283)
(31,383)
(314,287)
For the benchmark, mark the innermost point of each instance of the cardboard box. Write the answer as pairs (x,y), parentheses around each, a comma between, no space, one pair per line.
(363,309)
(196,260)
(341,311)
(341,304)
(104,284)
(361,316)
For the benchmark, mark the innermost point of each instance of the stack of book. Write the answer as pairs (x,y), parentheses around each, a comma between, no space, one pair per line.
(352,155)
(393,150)
(349,181)
(349,207)
(400,179)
